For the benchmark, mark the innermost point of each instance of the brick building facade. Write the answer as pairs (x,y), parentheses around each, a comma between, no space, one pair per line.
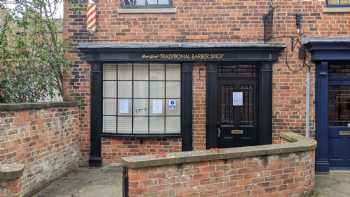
(216,44)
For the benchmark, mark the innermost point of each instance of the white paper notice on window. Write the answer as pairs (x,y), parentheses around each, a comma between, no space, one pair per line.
(157,106)
(123,106)
(237,98)
(172,105)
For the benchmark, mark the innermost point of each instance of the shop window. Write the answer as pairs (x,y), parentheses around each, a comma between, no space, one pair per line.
(338,3)
(146,3)
(142,99)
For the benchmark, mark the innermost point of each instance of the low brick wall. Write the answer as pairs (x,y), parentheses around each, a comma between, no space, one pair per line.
(42,137)
(114,149)
(285,169)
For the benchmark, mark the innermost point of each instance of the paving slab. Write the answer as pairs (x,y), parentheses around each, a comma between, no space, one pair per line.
(107,182)
(87,182)
(334,184)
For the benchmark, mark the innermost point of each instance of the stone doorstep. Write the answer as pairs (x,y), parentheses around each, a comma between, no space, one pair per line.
(294,143)
(10,171)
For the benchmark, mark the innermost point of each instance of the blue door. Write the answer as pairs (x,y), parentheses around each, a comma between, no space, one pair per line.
(339,116)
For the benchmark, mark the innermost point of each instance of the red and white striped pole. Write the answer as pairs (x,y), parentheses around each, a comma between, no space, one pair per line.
(91,16)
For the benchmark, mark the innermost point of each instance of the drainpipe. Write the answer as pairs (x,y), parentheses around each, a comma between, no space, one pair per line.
(307,114)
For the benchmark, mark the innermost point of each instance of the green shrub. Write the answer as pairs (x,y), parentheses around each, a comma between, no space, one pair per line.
(32,58)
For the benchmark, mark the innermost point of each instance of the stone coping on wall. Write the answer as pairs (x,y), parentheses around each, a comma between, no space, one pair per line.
(35,106)
(294,143)
(10,171)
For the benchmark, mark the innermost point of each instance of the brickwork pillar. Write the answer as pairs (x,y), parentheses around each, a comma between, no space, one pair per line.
(199,106)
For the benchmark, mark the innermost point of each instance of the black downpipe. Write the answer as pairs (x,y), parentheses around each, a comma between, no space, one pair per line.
(125,182)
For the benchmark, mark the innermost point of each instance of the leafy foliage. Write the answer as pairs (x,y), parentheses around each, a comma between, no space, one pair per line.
(32,58)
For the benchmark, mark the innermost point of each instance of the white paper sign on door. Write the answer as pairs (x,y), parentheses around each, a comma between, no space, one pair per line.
(237,98)
(123,106)
(157,106)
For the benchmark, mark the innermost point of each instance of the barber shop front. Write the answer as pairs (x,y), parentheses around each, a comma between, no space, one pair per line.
(163,97)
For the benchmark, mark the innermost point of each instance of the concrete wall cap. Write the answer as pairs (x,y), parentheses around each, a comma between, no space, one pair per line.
(11,171)
(36,106)
(295,143)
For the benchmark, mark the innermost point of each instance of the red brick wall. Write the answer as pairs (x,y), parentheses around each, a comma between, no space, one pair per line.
(286,175)
(114,149)
(44,140)
(199,106)
(207,21)
(11,188)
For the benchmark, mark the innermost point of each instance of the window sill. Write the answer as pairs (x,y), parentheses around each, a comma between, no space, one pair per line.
(147,11)
(132,137)
(336,9)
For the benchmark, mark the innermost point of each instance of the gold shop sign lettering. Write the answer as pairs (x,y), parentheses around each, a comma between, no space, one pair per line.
(184,56)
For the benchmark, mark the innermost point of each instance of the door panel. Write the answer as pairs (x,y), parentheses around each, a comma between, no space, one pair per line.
(237,108)
(339,124)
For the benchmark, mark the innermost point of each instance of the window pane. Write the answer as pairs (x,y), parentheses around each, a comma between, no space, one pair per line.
(140,125)
(124,124)
(109,106)
(152,2)
(140,89)
(124,72)
(339,2)
(110,89)
(173,107)
(157,106)
(124,89)
(339,105)
(333,2)
(344,2)
(173,124)
(157,71)
(109,72)
(109,124)
(163,2)
(157,89)
(140,107)
(141,72)
(173,72)
(140,2)
(124,107)
(173,89)
(156,125)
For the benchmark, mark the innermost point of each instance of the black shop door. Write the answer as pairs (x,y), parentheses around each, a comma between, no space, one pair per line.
(237,106)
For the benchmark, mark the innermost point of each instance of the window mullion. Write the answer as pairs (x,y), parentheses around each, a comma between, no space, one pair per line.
(149,95)
(117,99)
(132,99)
(165,98)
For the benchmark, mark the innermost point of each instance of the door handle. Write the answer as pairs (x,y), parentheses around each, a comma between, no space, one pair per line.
(344,133)
(219,132)
(237,132)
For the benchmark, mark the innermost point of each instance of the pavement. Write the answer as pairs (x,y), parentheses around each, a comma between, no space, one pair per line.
(334,184)
(107,182)
(87,182)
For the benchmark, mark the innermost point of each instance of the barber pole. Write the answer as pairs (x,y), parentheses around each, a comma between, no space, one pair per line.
(91,16)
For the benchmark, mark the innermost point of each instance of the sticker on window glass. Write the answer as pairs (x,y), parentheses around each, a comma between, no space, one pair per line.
(172,105)
(157,106)
(123,106)
(237,98)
